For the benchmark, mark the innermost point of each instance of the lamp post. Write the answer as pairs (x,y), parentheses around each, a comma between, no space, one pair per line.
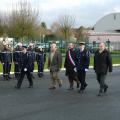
(43,37)
(108,43)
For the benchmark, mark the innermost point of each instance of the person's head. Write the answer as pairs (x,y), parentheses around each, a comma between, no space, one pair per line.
(102,46)
(71,46)
(53,47)
(24,50)
(31,45)
(5,46)
(82,45)
(40,48)
(19,45)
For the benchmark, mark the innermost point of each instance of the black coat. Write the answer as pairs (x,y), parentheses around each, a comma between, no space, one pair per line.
(68,64)
(17,55)
(6,56)
(27,62)
(82,60)
(102,62)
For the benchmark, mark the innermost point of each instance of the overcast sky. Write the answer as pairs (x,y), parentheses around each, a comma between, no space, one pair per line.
(86,12)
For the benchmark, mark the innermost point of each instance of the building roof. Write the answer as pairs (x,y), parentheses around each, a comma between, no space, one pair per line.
(109,23)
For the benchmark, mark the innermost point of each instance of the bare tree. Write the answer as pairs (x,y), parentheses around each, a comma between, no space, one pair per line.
(56,31)
(3,24)
(24,21)
(82,34)
(66,23)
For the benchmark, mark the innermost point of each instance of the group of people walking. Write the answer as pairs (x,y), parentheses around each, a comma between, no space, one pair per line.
(76,64)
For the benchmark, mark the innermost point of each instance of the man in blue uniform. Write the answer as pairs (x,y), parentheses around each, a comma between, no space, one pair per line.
(82,65)
(25,69)
(17,59)
(31,53)
(40,58)
(6,60)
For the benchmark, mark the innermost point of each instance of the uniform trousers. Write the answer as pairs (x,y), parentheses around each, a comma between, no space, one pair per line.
(81,76)
(29,77)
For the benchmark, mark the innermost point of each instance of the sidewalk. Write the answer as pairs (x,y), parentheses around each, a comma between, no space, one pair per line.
(46,70)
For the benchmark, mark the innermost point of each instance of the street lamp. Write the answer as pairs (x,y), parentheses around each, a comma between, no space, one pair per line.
(108,43)
(43,37)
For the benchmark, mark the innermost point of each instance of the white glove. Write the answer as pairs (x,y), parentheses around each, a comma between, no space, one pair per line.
(86,69)
(25,69)
(75,69)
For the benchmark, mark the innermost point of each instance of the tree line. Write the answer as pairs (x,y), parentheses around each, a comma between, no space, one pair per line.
(25,22)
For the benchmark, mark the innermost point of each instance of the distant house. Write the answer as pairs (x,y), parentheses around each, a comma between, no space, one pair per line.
(107,29)
(108,23)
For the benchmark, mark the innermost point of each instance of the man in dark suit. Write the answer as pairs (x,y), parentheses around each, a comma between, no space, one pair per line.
(70,65)
(102,63)
(25,69)
(82,65)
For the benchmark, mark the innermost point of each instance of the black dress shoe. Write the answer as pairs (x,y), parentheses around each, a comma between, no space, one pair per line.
(17,87)
(60,85)
(105,89)
(100,94)
(81,91)
(9,77)
(85,86)
(31,86)
(78,85)
(71,88)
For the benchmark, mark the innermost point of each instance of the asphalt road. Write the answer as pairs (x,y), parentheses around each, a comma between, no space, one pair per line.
(40,103)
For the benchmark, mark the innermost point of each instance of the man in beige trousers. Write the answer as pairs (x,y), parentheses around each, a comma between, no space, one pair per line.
(54,64)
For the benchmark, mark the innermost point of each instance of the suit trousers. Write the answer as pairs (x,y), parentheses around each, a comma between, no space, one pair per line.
(55,79)
(101,80)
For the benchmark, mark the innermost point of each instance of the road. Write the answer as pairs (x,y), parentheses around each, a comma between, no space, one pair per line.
(40,103)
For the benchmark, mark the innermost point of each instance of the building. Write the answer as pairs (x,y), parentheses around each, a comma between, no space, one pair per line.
(107,29)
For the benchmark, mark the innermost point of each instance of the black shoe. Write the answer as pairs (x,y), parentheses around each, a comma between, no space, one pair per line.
(100,94)
(17,87)
(71,88)
(81,91)
(31,86)
(6,79)
(105,89)
(85,86)
(78,85)
(33,77)
(9,77)
(60,85)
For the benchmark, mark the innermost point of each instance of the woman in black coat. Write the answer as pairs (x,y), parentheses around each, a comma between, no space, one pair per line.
(102,64)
